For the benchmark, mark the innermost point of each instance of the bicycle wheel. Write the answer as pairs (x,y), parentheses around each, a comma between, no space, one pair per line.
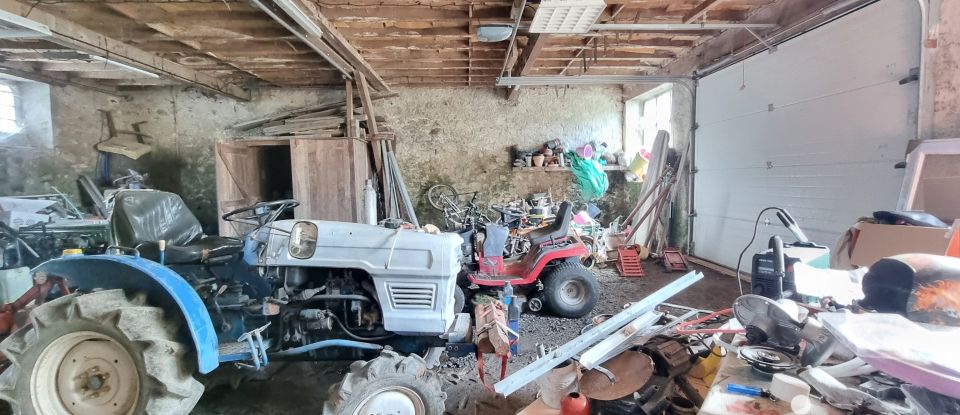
(440,195)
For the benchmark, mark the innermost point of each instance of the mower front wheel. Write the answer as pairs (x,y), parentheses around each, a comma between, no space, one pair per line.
(571,290)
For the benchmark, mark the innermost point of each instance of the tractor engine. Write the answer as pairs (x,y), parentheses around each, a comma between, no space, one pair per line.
(319,304)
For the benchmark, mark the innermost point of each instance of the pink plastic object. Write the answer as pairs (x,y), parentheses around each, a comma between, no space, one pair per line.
(585,151)
(581,218)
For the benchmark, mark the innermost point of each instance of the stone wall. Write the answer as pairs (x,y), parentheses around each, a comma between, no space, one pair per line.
(455,136)
(462,137)
(946,72)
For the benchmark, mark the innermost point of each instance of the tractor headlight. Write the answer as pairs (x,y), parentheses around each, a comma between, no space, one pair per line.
(303,240)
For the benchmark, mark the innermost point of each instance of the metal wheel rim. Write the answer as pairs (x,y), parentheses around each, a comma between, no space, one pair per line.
(85,373)
(573,292)
(392,400)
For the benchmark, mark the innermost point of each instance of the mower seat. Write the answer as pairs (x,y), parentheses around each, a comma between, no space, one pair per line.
(557,231)
(141,218)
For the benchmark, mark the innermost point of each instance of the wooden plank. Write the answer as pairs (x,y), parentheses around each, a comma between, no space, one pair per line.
(20,70)
(74,36)
(703,8)
(322,180)
(528,59)
(340,43)
(239,183)
(246,125)
(367,103)
(348,98)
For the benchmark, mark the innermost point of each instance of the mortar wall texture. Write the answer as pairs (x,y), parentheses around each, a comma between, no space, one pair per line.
(946,101)
(459,137)
(184,125)
(463,137)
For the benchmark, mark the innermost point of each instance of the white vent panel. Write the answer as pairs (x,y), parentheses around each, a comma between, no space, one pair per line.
(412,296)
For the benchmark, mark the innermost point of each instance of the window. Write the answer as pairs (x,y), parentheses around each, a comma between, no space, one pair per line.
(8,110)
(655,115)
(644,116)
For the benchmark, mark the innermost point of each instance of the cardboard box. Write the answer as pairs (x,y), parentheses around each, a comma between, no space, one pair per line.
(880,241)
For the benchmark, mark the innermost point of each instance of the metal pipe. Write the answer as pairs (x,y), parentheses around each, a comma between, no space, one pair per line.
(334,297)
(692,213)
(347,73)
(513,37)
(299,17)
(679,26)
(328,343)
(922,97)
(531,372)
(746,52)
(589,80)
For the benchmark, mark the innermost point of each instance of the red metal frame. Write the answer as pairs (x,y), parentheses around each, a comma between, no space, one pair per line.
(683,330)
(35,296)
(526,270)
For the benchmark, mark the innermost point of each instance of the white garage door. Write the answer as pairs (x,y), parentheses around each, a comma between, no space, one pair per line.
(815,127)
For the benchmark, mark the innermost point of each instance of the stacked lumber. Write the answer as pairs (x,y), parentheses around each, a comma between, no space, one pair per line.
(324,120)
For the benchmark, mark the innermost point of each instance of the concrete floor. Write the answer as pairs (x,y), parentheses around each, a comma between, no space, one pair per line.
(302,387)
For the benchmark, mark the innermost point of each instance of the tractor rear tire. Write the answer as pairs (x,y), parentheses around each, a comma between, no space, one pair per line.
(570,290)
(391,384)
(98,353)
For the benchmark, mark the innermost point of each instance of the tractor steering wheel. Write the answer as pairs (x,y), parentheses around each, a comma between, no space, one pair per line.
(260,213)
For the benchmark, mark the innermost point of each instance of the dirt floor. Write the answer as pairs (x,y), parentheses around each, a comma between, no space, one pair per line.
(302,387)
(294,388)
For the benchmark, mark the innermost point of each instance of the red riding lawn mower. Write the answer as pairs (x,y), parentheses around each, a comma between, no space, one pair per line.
(550,274)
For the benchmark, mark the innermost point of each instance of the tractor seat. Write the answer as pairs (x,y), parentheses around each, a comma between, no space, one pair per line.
(141,218)
(557,231)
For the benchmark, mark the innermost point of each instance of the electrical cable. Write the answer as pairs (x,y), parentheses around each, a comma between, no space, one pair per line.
(356,337)
(756,227)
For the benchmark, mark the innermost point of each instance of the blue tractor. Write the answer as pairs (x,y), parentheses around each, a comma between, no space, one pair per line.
(131,331)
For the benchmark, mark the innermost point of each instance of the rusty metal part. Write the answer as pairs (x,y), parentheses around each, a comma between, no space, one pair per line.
(35,295)
(631,370)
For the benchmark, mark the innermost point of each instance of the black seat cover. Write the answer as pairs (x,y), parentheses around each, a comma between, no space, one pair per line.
(557,231)
(142,218)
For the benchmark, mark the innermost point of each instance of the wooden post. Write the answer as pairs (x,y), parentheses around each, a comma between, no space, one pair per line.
(364,90)
(351,127)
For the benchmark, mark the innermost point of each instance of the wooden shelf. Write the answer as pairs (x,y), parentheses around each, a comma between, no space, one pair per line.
(548,169)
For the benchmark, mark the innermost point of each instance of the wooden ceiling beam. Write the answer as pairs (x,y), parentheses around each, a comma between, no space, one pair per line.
(458,32)
(339,43)
(412,13)
(570,57)
(25,71)
(528,59)
(701,9)
(72,35)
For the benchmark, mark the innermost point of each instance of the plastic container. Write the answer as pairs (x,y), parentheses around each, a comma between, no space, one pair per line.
(13,283)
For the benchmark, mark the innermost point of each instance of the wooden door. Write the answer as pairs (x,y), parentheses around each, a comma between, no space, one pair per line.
(239,170)
(324,180)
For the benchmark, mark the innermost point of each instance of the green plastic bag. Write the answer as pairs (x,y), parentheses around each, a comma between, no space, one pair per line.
(590,176)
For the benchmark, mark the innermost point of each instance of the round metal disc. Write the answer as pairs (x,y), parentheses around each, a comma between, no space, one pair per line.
(631,370)
(768,359)
(392,400)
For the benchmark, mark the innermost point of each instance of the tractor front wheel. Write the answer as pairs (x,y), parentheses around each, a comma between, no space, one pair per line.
(389,384)
(98,353)
(570,290)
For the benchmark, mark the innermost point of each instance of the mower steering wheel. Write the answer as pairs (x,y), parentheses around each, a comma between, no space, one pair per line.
(260,211)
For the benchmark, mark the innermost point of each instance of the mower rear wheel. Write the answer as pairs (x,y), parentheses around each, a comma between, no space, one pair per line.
(98,353)
(389,384)
(571,290)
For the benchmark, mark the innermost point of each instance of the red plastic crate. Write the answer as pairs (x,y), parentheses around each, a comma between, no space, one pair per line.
(628,263)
